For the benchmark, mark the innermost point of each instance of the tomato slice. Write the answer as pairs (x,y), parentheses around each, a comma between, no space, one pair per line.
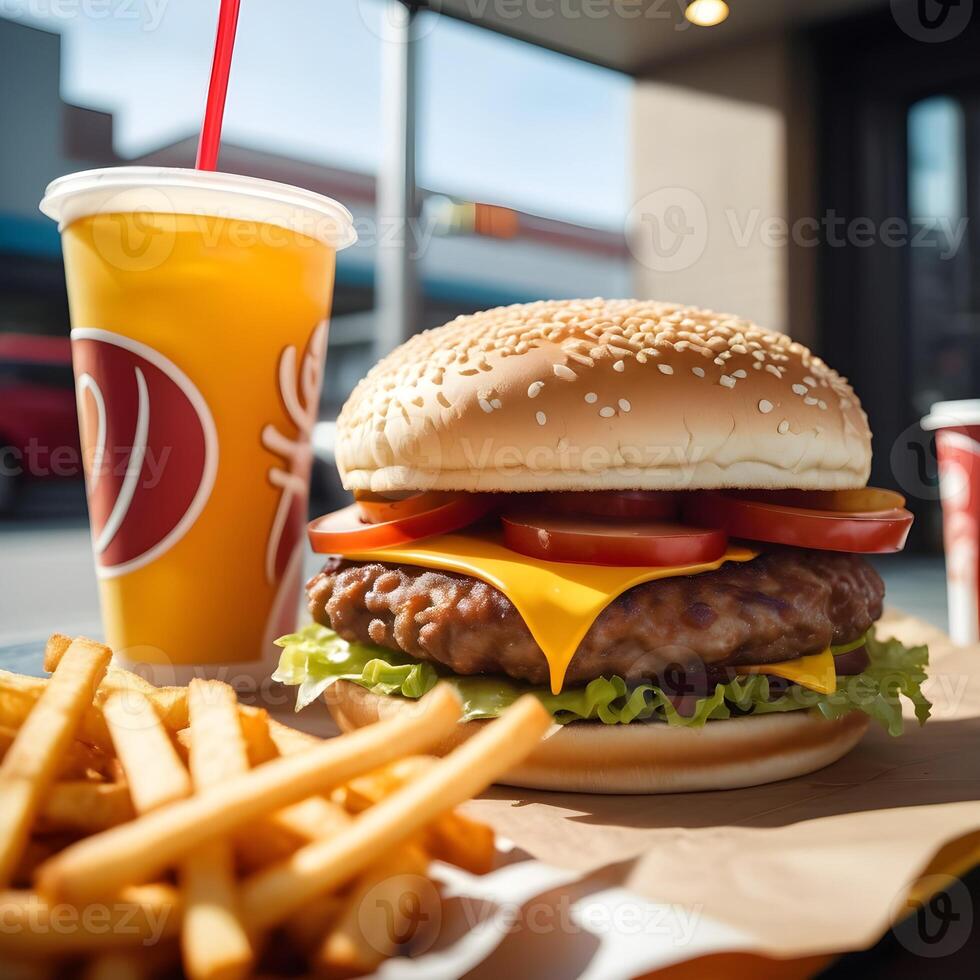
(867,500)
(642,505)
(760,519)
(345,531)
(378,508)
(592,541)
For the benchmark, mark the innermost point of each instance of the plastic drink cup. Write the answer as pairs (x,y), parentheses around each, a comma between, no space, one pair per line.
(957,428)
(199,307)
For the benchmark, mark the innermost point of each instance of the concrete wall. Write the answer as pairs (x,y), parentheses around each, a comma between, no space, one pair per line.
(722,162)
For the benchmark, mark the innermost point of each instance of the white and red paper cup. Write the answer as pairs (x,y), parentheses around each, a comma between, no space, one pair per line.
(957,428)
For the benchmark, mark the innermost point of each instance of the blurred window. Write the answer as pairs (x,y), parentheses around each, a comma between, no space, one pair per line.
(507,122)
(942,325)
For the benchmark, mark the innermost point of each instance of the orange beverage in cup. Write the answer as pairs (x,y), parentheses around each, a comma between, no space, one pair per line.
(199,305)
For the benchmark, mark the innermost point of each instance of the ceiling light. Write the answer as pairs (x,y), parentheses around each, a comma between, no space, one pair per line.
(706,13)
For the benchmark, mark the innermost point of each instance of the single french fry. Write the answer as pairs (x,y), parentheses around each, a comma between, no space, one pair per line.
(213,942)
(30,765)
(269,896)
(79,761)
(137,916)
(117,965)
(289,741)
(457,839)
(83,807)
(153,769)
(54,649)
(138,850)
(451,837)
(381,914)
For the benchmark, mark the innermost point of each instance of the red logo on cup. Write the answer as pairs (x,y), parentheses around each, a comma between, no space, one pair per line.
(151,448)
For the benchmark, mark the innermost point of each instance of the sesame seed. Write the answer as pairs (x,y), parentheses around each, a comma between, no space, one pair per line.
(739,349)
(810,381)
(563,372)
(442,400)
(496,403)
(783,427)
(624,405)
(665,369)
(541,417)
(698,372)
(740,373)
(534,388)
(619,366)
(607,411)
(822,404)
(591,397)
(727,381)
(486,406)
(809,401)
(799,389)
(772,369)
(765,406)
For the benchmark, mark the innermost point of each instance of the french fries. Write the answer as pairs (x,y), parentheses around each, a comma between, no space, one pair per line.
(153,769)
(137,916)
(452,837)
(271,895)
(32,760)
(263,827)
(141,849)
(79,761)
(213,942)
(358,942)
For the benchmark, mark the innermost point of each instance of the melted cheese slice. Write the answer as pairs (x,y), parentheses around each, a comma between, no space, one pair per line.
(558,600)
(816,671)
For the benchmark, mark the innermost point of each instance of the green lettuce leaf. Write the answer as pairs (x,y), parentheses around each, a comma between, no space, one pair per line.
(315,657)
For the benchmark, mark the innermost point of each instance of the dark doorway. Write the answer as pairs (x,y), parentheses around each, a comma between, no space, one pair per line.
(899,293)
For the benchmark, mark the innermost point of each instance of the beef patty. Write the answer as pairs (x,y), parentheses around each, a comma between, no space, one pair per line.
(781,605)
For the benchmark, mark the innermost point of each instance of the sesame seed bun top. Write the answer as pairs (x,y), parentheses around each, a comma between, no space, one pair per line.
(602,394)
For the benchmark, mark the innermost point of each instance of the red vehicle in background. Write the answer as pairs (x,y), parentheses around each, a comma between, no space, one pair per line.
(38,418)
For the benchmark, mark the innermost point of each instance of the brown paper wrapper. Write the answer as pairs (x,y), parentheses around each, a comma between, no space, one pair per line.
(811,866)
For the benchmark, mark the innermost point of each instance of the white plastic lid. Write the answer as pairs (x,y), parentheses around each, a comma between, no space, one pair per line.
(943,414)
(172,190)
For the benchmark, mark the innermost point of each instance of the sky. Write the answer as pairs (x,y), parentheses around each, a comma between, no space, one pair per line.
(499,120)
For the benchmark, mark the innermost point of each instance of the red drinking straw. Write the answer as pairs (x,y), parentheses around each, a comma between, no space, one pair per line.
(224,44)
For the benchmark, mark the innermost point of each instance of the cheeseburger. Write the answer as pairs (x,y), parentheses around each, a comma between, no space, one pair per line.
(652,517)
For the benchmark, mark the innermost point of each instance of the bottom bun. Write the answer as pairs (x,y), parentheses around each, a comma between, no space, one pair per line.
(589,757)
